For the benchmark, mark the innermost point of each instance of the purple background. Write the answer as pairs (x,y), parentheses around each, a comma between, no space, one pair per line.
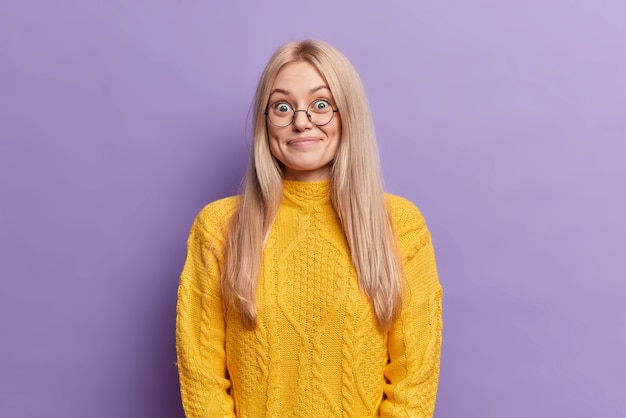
(504,121)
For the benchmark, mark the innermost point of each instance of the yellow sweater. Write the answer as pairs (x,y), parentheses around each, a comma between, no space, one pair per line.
(316,350)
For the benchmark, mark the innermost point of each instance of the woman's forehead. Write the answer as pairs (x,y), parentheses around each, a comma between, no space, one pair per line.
(298,78)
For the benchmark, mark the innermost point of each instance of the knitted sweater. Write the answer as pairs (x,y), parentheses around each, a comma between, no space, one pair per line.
(316,350)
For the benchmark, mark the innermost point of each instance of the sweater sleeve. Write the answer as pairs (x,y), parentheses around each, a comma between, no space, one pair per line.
(200,327)
(414,344)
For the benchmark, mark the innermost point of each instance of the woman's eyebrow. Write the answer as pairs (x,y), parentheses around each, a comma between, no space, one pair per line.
(318,88)
(287,93)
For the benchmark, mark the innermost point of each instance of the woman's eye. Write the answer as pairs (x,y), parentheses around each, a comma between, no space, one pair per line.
(321,105)
(283,107)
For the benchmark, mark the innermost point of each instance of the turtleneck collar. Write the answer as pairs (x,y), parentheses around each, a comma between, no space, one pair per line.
(307,193)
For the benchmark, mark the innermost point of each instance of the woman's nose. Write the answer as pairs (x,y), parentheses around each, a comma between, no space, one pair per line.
(301,120)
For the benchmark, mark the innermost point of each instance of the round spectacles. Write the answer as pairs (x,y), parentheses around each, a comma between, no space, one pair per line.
(281,114)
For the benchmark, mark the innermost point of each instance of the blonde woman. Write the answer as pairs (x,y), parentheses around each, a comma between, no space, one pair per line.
(313,293)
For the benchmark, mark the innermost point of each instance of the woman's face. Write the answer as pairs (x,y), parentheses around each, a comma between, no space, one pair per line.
(305,149)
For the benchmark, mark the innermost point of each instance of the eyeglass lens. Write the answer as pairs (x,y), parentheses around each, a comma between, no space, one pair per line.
(320,112)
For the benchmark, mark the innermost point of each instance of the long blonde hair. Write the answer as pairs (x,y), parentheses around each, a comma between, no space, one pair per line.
(356,191)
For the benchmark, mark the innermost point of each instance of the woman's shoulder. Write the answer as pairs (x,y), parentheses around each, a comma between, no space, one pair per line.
(404,213)
(216,215)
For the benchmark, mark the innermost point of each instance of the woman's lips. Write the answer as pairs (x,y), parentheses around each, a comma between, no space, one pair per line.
(303,142)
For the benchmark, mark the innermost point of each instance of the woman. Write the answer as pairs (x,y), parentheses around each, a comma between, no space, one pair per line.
(314,293)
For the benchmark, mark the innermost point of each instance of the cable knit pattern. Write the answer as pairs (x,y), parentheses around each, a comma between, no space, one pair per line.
(316,350)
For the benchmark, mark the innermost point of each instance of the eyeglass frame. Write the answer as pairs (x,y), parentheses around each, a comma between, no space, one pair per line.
(306,111)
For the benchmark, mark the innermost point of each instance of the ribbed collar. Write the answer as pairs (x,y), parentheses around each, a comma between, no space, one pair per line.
(307,194)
